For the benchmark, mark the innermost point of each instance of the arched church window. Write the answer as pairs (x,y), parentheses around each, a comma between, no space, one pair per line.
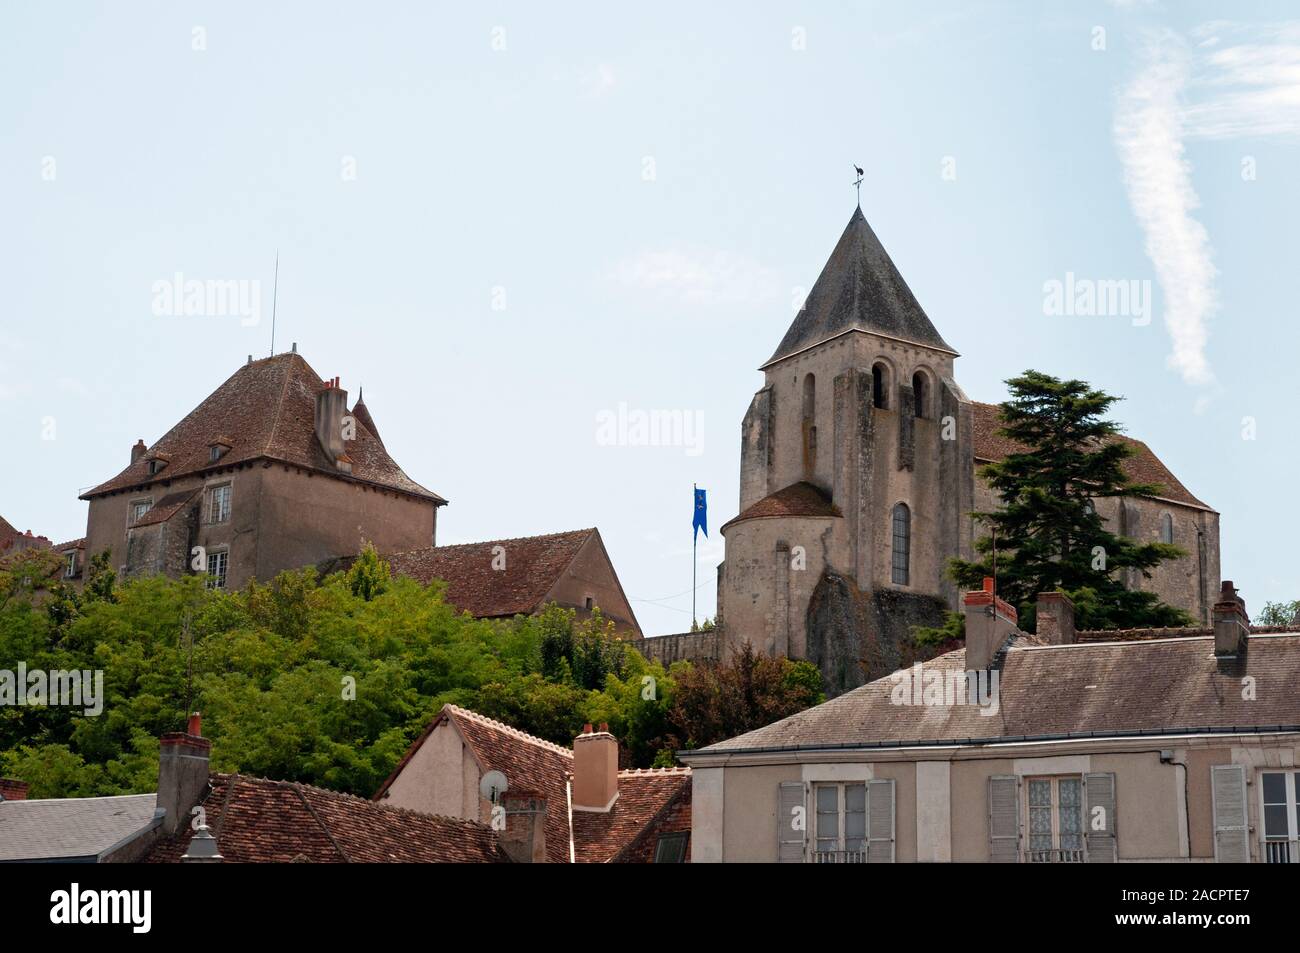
(902,520)
(880,386)
(809,426)
(919,396)
(1166,528)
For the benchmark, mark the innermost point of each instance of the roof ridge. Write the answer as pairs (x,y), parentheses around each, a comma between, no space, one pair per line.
(485,542)
(676,769)
(279,406)
(510,730)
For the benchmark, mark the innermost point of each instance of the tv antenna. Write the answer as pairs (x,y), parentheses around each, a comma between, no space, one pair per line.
(275,293)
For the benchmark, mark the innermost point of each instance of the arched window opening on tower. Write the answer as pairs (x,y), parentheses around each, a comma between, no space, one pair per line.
(880,386)
(1166,528)
(919,395)
(902,544)
(809,426)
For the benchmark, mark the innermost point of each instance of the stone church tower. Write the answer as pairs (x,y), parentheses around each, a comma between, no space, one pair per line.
(858,478)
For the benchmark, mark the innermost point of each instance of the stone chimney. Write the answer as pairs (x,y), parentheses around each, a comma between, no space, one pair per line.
(182,773)
(989,621)
(138,450)
(12,789)
(1231,624)
(331,407)
(595,770)
(524,839)
(1055,615)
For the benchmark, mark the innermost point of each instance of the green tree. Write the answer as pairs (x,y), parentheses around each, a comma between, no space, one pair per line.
(715,702)
(1279,613)
(1048,535)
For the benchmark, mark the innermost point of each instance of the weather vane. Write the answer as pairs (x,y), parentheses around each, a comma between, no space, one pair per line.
(857,183)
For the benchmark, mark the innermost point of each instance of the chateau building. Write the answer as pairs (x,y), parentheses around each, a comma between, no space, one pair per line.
(858,477)
(271,471)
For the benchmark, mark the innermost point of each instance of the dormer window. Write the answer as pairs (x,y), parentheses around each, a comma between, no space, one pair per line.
(156,465)
(217,449)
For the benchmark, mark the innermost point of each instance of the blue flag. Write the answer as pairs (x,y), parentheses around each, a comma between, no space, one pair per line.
(701,520)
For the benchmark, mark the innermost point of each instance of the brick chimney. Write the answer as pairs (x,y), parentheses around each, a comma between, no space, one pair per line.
(989,621)
(595,770)
(524,839)
(182,773)
(1231,624)
(1055,618)
(331,406)
(12,789)
(138,450)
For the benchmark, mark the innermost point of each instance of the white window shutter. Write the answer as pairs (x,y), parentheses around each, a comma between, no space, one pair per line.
(880,822)
(791,823)
(1231,836)
(1004,819)
(1099,818)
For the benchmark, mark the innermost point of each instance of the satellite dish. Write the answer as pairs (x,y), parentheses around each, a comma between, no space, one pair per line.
(492,785)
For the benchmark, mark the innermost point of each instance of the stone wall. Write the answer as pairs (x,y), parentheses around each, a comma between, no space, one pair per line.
(685,646)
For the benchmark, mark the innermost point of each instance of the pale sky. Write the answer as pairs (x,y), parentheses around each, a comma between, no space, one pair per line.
(510,220)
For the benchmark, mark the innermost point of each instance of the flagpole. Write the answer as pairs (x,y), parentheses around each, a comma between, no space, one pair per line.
(695,539)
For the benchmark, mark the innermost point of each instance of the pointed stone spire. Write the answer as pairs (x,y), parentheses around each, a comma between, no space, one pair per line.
(859,289)
(362,413)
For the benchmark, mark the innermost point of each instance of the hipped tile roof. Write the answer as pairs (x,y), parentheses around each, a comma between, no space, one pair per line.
(1099,689)
(56,829)
(267,410)
(534,764)
(533,565)
(797,499)
(1143,467)
(259,821)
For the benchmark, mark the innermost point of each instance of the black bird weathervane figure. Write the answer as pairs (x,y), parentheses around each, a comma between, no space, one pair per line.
(857,183)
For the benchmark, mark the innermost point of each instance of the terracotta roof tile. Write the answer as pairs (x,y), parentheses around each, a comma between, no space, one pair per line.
(797,499)
(1086,688)
(533,565)
(259,821)
(167,507)
(1143,467)
(266,410)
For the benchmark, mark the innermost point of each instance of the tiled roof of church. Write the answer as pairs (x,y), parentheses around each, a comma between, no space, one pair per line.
(859,289)
(797,499)
(259,821)
(535,764)
(265,410)
(533,565)
(1143,467)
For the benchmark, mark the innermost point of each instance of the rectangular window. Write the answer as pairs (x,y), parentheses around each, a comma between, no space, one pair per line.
(1280,793)
(71,569)
(139,508)
(841,834)
(671,848)
(219,503)
(1055,812)
(217,570)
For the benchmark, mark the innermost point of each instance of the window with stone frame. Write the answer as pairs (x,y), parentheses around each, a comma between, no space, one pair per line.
(219,503)
(139,508)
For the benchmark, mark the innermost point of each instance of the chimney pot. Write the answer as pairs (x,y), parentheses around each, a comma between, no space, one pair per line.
(11,789)
(1231,623)
(989,622)
(1055,618)
(183,760)
(595,770)
(194,727)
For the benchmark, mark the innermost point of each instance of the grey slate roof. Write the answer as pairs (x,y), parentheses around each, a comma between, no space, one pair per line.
(1104,689)
(71,828)
(859,288)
